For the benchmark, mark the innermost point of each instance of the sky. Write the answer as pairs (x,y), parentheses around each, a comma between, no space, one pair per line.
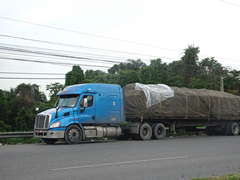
(44,39)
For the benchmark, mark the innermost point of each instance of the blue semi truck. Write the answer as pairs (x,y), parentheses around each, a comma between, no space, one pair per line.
(105,110)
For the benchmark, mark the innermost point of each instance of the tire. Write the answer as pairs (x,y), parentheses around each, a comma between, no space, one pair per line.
(136,137)
(158,131)
(154,124)
(145,132)
(226,129)
(210,131)
(125,136)
(234,128)
(73,134)
(49,141)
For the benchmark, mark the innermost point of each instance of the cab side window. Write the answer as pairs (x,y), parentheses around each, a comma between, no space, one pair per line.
(89,101)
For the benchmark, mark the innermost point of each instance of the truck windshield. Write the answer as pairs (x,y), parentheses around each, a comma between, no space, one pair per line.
(67,101)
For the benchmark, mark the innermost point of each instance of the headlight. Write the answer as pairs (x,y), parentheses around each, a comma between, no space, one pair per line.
(56,124)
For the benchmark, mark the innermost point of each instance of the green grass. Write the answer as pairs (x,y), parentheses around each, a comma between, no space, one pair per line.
(29,140)
(32,140)
(184,134)
(224,177)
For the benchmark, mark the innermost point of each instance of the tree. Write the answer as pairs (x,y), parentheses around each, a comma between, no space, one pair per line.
(76,76)
(135,65)
(3,105)
(190,59)
(53,88)
(156,73)
(22,120)
(210,72)
(27,95)
(125,73)
(231,80)
(114,69)
(4,127)
(176,73)
(92,76)
(19,105)
(112,78)
(191,55)
(127,77)
(146,75)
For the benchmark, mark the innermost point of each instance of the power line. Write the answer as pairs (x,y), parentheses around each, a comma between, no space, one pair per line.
(115,39)
(88,34)
(32,73)
(28,78)
(230,3)
(53,63)
(76,46)
(55,55)
(23,48)
(65,56)
(97,49)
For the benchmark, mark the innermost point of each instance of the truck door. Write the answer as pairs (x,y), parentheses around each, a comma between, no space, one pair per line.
(87,110)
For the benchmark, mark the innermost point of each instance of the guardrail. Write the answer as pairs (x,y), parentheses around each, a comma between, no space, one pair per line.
(16,134)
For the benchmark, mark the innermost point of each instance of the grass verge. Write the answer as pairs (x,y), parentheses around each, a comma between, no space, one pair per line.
(12,141)
(224,177)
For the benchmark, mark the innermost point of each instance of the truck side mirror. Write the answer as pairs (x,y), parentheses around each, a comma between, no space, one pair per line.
(85,103)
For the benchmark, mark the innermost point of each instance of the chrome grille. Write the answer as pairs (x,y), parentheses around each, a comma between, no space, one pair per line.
(42,121)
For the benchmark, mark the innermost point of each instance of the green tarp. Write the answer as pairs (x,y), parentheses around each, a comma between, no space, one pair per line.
(185,103)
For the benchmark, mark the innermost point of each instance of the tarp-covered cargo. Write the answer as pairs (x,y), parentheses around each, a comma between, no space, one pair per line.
(174,102)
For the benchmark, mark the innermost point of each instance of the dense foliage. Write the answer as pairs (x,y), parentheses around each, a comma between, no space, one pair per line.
(17,106)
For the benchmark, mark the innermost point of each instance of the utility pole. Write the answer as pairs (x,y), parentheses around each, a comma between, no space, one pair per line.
(214,78)
(221,80)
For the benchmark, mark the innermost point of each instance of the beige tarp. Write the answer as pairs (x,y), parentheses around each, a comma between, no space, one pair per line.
(185,103)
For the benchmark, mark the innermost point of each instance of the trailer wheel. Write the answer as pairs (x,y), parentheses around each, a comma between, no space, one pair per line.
(125,136)
(136,137)
(158,131)
(73,134)
(226,129)
(49,141)
(210,131)
(145,132)
(234,128)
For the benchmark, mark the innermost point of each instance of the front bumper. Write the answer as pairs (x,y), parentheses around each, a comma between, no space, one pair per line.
(49,134)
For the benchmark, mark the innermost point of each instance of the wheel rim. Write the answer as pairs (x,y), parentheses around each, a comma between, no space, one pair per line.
(159,131)
(235,129)
(145,131)
(73,135)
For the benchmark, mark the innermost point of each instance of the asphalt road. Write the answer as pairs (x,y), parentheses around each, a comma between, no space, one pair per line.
(169,159)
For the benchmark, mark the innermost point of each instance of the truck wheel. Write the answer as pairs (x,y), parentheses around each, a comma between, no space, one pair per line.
(158,131)
(226,129)
(234,128)
(145,132)
(125,136)
(210,131)
(49,141)
(73,134)
(136,137)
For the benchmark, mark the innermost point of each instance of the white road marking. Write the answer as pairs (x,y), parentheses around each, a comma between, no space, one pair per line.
(119,163)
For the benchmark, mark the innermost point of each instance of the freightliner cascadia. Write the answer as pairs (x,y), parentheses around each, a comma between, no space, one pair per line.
(135,111)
